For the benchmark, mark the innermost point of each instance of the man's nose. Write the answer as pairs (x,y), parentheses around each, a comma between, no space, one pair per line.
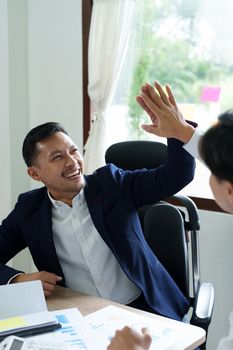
(70,160)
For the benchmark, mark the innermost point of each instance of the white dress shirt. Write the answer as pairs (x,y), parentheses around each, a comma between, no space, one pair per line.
(192,146)
(89,266)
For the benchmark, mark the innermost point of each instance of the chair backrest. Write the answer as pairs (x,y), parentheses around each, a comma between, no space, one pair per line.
(163,228)
(133,155)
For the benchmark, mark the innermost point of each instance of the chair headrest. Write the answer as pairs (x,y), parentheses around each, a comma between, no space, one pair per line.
(131,155)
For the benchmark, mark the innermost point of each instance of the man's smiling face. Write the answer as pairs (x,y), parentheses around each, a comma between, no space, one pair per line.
(59,165)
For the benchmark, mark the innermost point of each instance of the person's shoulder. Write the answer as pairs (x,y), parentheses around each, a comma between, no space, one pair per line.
(35,195)
(105,175)
(104,170)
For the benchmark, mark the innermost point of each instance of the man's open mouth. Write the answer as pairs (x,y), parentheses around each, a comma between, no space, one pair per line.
(75,173)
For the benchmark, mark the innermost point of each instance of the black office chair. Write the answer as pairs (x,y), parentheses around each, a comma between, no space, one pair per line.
(173,240)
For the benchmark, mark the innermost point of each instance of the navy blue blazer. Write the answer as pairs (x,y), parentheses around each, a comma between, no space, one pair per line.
(113,197)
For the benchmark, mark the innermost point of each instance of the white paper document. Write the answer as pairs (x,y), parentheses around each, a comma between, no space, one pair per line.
(165,335)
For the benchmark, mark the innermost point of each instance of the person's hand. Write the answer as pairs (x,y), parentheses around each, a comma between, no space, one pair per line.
(48,280)
(167,120)
(128,339)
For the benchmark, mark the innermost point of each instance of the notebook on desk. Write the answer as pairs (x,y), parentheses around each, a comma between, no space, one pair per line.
(29,324)
(23,310)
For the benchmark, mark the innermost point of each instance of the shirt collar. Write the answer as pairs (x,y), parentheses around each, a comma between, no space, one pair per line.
(78,199)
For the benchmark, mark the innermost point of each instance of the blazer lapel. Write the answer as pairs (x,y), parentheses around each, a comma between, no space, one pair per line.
(95,206)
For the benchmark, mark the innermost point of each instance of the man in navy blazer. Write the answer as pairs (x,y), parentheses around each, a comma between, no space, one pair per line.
(83,232)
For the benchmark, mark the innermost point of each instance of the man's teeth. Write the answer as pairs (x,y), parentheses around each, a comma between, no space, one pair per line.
(76,172)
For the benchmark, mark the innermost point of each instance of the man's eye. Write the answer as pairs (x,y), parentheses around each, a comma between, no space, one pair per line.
(75,150)
(57,157)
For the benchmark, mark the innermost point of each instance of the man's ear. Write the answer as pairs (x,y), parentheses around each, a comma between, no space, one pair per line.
(33,173)
(230,191)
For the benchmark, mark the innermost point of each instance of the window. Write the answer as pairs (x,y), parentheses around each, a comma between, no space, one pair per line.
(183,43)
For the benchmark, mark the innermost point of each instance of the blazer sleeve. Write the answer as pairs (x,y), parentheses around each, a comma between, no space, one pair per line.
(149,186)
(11,243)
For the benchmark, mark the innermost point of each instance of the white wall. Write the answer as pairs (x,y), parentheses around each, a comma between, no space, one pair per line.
(55,63)
(216,244)
(18,92)
(41,75)
(5,175)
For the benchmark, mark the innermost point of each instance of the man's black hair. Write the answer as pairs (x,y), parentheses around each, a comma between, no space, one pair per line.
(216,147)
(37,134)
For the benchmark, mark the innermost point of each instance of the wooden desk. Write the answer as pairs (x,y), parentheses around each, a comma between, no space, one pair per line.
(65,298)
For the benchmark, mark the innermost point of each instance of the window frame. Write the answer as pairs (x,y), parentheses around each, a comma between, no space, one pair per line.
(86,20)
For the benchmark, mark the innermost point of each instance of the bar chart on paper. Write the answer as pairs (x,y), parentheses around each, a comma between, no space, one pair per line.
(74,334)
(70,333)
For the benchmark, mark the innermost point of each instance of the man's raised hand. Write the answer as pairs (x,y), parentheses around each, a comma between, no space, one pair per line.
(167,120)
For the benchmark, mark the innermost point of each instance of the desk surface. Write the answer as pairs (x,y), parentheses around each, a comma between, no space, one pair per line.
(65,298)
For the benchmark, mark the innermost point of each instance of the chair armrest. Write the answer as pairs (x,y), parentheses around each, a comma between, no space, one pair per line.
(188,203)
(203,306)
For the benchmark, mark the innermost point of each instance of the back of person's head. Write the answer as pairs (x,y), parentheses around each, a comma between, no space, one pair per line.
(216,147)
(38,134)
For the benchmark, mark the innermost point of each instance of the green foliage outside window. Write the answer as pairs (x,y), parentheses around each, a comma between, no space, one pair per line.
(171,57)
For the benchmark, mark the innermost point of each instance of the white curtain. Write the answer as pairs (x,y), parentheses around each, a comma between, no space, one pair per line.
(108,41)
